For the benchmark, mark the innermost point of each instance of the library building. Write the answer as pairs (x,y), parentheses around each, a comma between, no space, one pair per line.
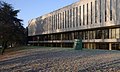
(95,22)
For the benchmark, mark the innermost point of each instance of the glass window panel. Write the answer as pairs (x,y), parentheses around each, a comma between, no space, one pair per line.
(73,17)
(110,33)
(76,16)
(86,35)
(113,33)
(100,11)
(90,35)
(80,15)
(95,11)
(65,19)
(105,11)
(117,32)
(83,14)
(60,21)
(106,33)
(83,35)
(87,13)
(68,18)
(110,10)
(56,21)
(91,12)
(98,34)
(93,34)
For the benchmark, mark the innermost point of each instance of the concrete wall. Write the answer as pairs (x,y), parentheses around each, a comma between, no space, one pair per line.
(46,24)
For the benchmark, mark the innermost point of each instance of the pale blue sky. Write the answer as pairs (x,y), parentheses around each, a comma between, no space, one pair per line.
(35,8)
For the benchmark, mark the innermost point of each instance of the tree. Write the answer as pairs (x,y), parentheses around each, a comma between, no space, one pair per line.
(11,28)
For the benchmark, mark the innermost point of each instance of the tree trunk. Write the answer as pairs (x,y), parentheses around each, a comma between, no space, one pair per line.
(4,46)
(11,44)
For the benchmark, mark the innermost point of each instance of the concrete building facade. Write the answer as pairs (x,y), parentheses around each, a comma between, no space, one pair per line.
(96,22)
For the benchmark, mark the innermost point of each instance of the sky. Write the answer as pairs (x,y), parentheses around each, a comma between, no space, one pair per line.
(30,9)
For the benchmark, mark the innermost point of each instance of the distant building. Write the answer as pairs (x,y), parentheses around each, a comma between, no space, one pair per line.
(96,22)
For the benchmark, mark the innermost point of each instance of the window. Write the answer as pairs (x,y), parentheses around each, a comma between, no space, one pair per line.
(110,33)
(100,11)
(63,20)
(115,46)
(70,17)
(117,33)
(87,13)
(113,33)
(47,21)
(106,33)
(83,15)
(76,16)
(54,22)
(110,10)
(83,35)
(58,21)
(80,35)
(117,5)
(80,15)
(95,11)
(105,12)
(91,35)
(51,22)
(91,12)
(86,35)
(98,34)
(73,17)
(75,35)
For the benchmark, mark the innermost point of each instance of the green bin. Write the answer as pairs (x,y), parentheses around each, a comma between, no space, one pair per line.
(78,44)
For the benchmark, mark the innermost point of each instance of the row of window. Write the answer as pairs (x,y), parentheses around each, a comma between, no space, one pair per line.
(96,45)
(85,35)
(114,46)
(76,16)
(102,34)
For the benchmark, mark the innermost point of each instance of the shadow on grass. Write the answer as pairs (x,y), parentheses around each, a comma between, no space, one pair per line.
(25,48)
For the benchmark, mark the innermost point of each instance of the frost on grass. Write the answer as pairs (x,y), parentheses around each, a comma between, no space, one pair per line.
(61,60)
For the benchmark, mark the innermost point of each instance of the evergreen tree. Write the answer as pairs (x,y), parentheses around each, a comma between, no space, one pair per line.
(12,31)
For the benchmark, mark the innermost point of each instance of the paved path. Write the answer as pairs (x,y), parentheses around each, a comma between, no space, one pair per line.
(60,60)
